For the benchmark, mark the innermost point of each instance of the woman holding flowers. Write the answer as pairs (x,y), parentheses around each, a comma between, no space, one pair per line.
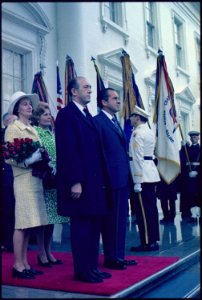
(42,119)
(30,209)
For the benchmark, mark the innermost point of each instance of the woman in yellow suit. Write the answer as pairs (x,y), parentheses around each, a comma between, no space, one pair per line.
(30,209)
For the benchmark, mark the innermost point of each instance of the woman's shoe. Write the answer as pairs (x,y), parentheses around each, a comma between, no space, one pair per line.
(34,272)
(56,262)
(24,274)
(40,263)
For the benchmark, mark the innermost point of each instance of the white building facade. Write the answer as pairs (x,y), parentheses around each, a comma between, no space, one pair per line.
(37,34)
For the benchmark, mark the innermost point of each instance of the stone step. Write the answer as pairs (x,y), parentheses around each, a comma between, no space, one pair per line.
(160,277)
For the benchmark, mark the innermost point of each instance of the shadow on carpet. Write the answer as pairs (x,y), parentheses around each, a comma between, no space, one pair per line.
(60,277)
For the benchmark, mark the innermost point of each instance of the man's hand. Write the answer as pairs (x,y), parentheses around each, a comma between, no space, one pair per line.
(76,191)
(137,187)
(193,174)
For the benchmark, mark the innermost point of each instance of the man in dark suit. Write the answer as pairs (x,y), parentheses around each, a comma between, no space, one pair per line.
(190,179)
(81,186)
(115,150)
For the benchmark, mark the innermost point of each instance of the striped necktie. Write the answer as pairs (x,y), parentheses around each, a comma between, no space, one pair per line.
(116,124)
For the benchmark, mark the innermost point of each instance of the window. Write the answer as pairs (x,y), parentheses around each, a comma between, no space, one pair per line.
(184,123)
(112,11)
(178,31)
(13,78)
(113,16)
(151,33)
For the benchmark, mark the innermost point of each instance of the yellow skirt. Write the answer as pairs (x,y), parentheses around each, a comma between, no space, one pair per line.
(30,208)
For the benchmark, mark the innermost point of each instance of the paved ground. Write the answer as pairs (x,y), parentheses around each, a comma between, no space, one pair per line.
(180,239)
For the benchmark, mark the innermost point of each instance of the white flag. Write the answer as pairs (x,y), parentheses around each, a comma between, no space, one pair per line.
(167,146)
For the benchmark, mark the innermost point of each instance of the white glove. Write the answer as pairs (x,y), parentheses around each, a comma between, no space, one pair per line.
(193,174)
(195,211)
(183,142)
(36,156)
(137,187)
(54,170)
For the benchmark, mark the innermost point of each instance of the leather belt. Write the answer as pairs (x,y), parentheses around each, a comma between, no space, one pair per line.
(193,163)
(148,158)
(145,158)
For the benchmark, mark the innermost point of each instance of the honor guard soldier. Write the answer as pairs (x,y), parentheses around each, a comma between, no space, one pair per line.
(190,179)
(145,175)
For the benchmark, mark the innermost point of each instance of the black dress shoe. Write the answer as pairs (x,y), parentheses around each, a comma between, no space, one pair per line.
(127,262)
(34,272)
(153,247)
(56,262)
(148,247)
(139,248)
(164,221)
(23,275)
(114,264)
(103,275)
(191,220)
(7,249)
(40,263)
(89,277)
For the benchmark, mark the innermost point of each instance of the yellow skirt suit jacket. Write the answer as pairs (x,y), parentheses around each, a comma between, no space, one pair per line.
(30,209)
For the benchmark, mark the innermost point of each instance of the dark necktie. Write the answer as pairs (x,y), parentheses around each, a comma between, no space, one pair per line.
(88,115)
(116,124)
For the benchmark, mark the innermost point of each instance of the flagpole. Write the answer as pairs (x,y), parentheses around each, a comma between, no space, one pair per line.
(144,217)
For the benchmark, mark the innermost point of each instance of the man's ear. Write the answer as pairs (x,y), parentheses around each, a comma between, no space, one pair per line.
(104,102)
(73,91)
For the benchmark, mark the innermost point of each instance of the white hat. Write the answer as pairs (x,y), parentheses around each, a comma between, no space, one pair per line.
(141,112)
(194,132)
(18,96)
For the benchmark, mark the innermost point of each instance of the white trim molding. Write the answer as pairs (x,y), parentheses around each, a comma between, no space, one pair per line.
(106,22)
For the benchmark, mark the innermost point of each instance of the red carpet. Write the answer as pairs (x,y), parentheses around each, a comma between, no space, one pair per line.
(60,277)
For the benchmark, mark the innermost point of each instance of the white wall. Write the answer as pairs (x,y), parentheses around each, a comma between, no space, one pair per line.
(77,31)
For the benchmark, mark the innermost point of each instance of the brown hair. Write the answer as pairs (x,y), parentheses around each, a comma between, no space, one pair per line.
(40,109)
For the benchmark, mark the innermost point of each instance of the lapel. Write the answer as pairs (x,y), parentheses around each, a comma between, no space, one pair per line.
(81,115)
(111,125)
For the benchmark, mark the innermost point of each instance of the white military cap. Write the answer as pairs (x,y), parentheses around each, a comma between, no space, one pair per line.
(193,132)
(18,96)
(141,112)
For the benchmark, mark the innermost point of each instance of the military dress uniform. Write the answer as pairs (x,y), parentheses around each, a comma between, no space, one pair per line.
(190,180)
(144,171)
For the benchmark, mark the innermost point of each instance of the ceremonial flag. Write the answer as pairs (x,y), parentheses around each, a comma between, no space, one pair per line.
(70,73)
(59,90)
(167,145)
(131,94)
(100,83)
(39,87)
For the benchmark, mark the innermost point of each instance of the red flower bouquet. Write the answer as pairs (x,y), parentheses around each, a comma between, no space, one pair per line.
(21,149)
